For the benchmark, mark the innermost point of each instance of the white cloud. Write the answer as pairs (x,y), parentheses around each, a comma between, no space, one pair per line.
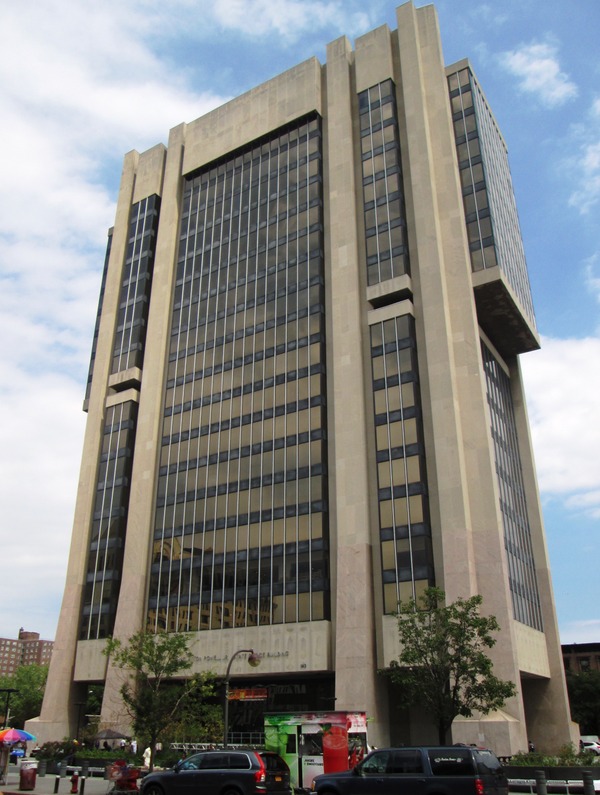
(41,435)
(538,70)
(592,276)
(288,18)
(562,383)
(586,165)
(490,15)
(78,87)
(588,502)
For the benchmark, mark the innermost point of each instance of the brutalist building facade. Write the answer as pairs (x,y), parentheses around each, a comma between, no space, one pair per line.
(305,402)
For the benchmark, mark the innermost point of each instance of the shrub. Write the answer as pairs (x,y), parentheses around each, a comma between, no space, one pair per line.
(567,756)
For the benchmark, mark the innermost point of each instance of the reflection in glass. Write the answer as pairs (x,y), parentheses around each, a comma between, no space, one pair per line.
(407,557)
(241,509)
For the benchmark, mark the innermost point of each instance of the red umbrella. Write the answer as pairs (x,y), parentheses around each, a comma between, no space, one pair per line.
(12,736)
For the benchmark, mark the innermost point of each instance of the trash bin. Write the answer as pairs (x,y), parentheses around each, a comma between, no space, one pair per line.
(27,774)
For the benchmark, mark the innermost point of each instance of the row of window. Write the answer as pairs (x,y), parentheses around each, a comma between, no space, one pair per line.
(385,217)
(298,143)
(241,365)
(243,467)
(242,576)
(109,522)
(265,308)
(513,503)
(406,552)
(247,612)
(244,424)
(128,350)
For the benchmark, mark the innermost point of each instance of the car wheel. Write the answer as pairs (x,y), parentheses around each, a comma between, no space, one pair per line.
(153,789)
(231,791)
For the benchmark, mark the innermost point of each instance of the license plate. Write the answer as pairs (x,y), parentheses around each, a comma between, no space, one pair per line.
(278,778)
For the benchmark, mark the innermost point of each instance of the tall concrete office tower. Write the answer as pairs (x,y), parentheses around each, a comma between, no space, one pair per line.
(305,402)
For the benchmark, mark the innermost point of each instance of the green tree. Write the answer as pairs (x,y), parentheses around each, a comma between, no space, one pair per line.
(443,664)
(30,682)
(584,697)
(200,718)
(156,686)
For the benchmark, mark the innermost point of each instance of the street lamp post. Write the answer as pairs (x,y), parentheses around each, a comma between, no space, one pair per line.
(253,660)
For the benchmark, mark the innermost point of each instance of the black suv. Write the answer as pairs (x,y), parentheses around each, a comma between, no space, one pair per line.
(225,771)
(453,770)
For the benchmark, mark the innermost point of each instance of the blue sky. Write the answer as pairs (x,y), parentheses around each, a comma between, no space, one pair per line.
(83,83)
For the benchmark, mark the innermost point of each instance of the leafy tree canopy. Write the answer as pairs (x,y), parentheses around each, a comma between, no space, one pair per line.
(30,682)
(443,665)
(157,687)
(584,697)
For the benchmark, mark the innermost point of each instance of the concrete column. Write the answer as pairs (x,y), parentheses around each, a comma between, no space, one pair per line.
(352,583)
(58,715)
(130,616)
(466,521)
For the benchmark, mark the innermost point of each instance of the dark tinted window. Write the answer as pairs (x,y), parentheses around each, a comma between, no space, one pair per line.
(375,763)
(405,762)
(487,762)
(239,761)
(193,763)
(273,762)
(215,761)
(451,762)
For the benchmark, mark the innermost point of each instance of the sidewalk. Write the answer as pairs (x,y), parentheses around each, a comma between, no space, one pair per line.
(45,785)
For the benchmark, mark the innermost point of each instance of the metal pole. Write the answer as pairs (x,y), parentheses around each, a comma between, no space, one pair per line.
(253,659)
(588,783)
(540,782)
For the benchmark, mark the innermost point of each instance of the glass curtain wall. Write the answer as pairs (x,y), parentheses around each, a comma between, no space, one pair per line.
(405,533)
(490,208)
(105,556)
(385,217)
(241,528)
(517,532)
(135,289)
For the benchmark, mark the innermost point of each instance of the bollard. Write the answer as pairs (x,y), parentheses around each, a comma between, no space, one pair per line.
(82,786)
(56,783)
(540,782)
(588,783)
